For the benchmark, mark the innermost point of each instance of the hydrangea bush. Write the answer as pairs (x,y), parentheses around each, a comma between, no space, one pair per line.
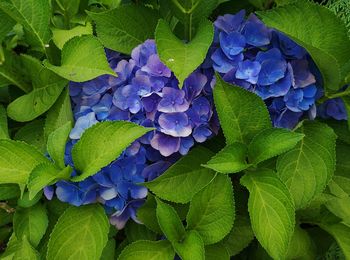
(174,130)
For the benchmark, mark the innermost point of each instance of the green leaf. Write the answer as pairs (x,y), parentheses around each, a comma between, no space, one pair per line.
(326,48)
(191,247)
(301,245)
(135,232)
(271,211)
(9,191)
(46,89)
(169,222)
(143,249)
(216,251)
(6,25)
(25,202)
(34,15)
(4,133)
(242,119)
(32,133)
(147,214)
(240,236)
(341,234)
(76,62)
(80,233)
(343,159)
(92,152)
(308,167)
(183,58)
(346,100)
(212,210)
(56,144)
(31,223)
(59,114)
(109,250)
(186,175)
(60,37)
(270,143)
(17,160)
(45,174)
(230,159)
(119,30)
(21,250)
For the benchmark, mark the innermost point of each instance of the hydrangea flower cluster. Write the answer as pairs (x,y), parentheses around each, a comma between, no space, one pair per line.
(147,93)
(265,61)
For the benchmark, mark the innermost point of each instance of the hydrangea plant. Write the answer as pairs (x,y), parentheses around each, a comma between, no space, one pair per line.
(174,130)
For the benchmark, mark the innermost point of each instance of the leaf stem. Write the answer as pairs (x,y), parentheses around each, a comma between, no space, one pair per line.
(6,207)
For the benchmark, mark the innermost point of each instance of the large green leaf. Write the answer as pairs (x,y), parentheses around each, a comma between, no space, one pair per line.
(76,62)
(17,160)
(212,210)
(183,58)
(170,222)
(31,223)
(186,175)
(328,47)
(21,250)
(271,211)
(60,37)
(242,114)
(34,15)
(230,159)
(125,27)
(4,133)
(308,167)
(270,143)
(341,234)
(103,143)
(143,249)
(59,114)
(33,133)
(191,247)
(80,233)
(47,87)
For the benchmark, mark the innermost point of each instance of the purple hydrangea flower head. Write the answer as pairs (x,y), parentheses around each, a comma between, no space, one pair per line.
(265,61)
(147,93)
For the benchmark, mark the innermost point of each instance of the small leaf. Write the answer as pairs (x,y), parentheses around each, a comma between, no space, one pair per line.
(76,62)
(37,26)
(93,152)
(240,236)
(56,144)
(120,31)
(308,167)
(230,159)
(212,210)
(21,250)
(143,249)
(271,211)
(32,133)
(4,134)
(169,222)
(59,114)
(242,119)
(31,223)
(17,160)
(47,87)
(60,37)
(183,58)
(341,234)
(186,175)
(80,233)
(326,48)
(147,214)
(45,174)
(270,143)
(191,247)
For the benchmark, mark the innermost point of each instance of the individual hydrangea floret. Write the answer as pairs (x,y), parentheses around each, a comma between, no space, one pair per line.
(147,93)
(265,61)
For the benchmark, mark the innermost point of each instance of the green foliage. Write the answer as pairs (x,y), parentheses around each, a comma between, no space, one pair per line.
(32,133)
(47,87)
(243,119)
(301,246)
(125,27)
(341,234)
(21,250)
(207,216)
(80,233)
(308,167)
(191,247)
(183,58)
(186,175)
(216,251)
(6,24)
(60,37)
(147,214)
(271,211)
(326,47)
(4,134)
(76,62)
(91,153)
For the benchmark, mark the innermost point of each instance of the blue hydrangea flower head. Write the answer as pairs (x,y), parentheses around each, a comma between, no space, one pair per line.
(147,93)
(265,61)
